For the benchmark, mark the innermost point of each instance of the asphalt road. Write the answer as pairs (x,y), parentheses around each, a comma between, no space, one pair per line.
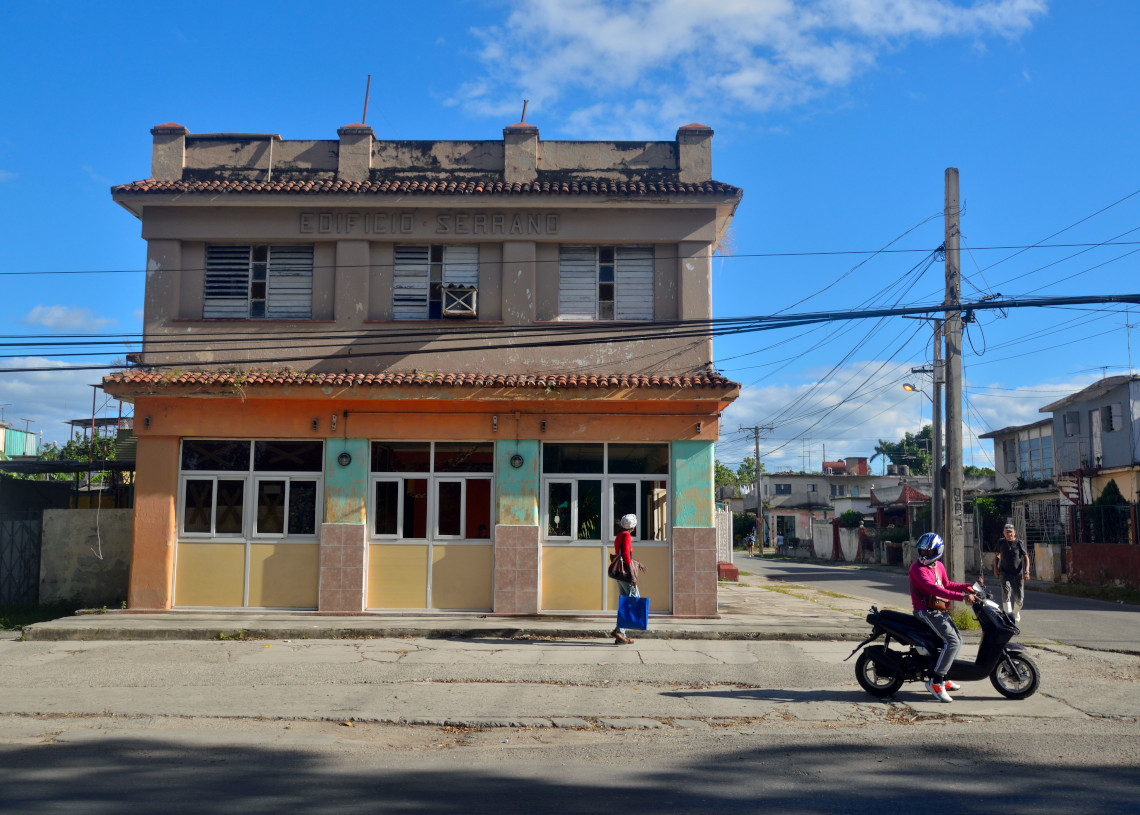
(1071,620)
(273,767)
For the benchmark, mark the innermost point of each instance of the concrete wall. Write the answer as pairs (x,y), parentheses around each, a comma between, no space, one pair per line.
(70,565)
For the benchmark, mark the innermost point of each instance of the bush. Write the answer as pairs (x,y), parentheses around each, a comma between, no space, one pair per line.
(851,519)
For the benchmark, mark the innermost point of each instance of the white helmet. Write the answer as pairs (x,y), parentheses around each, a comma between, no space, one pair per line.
(628,521)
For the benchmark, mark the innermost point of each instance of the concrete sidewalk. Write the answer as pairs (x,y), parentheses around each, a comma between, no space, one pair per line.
(753,609)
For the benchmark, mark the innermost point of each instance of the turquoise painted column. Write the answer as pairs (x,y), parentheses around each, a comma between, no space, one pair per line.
(692,469)
(517,487)
(346,486)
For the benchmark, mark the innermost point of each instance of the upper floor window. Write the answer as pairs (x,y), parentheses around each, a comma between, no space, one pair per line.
(1111,417)
(811,488)
(838,490)
(258,281)
(783,489)
(605,283)
(430,282)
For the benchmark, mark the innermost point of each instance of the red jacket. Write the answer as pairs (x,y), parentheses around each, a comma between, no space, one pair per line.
(623,545)
(931,580)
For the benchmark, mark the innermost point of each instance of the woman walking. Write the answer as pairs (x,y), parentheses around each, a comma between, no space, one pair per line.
(623,548)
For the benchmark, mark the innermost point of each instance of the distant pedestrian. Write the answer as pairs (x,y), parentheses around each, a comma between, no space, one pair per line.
(1011,564)
(750,542)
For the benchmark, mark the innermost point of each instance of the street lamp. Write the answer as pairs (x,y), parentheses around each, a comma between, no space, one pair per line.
(935,454)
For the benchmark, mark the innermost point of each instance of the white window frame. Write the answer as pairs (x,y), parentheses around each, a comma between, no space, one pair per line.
(581,283)
(607,480)
(231,288)
(433,479)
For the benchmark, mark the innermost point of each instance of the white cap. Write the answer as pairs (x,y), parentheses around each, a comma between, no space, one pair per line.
(628,521)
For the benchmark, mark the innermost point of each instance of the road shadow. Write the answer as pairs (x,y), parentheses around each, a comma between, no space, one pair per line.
(824,773)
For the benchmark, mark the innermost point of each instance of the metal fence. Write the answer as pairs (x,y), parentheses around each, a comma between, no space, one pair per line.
(20,535)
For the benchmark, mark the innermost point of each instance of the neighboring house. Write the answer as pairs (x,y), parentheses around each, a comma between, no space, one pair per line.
(392,375)
(1096,432)
(795,500)
(1025,468)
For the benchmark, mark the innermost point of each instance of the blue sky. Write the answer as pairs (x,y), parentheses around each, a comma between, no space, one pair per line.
(836,117)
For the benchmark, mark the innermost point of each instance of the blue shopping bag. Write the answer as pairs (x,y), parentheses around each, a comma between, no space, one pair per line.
(633,612)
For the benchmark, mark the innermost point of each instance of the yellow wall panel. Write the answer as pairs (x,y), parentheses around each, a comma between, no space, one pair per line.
(462,577)
(397,576)
(284,575)
(573,577)
(210,574)
(656,584)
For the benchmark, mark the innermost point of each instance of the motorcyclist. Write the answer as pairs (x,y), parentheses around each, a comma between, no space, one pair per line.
(928,580)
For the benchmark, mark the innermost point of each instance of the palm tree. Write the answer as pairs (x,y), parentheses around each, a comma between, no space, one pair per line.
(883,448)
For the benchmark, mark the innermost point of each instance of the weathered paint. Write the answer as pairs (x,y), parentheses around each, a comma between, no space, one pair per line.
(656,583)
(152,549)
(346,488)
(517,488)
(692,483)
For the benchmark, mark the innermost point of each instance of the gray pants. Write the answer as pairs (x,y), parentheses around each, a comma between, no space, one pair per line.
(1012,592)
(944,627)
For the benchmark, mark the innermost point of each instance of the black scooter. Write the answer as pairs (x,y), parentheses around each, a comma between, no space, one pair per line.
(882,670)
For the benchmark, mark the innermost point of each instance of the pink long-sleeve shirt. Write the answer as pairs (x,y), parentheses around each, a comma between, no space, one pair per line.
(931,580)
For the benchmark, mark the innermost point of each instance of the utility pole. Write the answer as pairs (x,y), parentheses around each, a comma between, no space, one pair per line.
(936,520)
(955,526)
(762,527)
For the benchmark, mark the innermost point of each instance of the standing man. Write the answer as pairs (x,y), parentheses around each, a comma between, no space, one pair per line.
(1011,564)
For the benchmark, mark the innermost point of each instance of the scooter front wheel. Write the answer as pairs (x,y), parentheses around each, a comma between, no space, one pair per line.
(1016,681)
(878,680)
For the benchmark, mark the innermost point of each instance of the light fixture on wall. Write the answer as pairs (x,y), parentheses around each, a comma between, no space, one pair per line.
(699,425)
(542,425)
(344,459)
(516,461)
(494,424)
(334,421)
(315,424)
(146,423)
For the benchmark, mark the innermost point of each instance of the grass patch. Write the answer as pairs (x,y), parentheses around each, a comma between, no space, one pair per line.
(1111,594)
(15,618)
(965,620)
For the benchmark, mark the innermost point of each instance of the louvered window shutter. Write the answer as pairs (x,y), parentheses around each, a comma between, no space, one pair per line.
(410,282)
(289,294)
(578,283)
(461,266)
(633,297)
(226,293)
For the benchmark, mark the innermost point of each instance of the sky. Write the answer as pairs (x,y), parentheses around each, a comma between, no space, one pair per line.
(838,119)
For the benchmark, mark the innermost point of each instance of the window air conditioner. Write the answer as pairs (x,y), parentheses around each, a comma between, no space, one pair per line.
(460,301)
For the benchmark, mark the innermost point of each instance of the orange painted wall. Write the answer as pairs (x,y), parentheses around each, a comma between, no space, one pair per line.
(287,416)
(152,553)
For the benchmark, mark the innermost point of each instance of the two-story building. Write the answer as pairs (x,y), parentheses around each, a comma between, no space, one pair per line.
(393,375)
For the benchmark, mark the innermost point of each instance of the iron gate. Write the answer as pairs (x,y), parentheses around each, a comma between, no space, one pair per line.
(20,534)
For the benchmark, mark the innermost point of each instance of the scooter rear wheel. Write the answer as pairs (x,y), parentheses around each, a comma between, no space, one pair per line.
(1019,685)
(878,680)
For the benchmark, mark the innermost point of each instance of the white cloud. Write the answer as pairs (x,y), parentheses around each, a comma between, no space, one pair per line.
(65,318)
(50,398)
(705,58)
(94,175)
(830,416)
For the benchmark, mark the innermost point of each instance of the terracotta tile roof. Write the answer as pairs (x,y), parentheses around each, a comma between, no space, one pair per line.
(397,186)
(206,378)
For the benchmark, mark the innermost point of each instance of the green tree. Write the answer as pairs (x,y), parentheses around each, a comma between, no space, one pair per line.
(98,448)
(724,476)
(747,471)
(912,450)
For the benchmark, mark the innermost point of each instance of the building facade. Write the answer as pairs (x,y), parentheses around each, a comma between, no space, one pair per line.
(424,375)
